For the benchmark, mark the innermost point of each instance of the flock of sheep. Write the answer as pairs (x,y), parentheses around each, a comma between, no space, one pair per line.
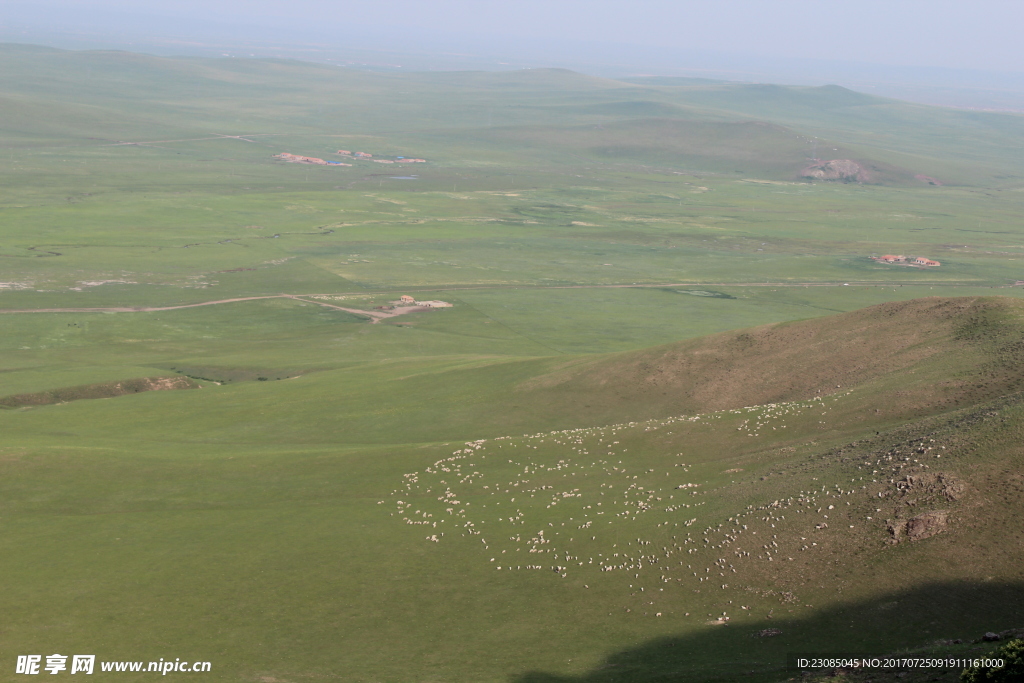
(579,504)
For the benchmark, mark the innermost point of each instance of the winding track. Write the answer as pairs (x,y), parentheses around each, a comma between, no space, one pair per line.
(377,316)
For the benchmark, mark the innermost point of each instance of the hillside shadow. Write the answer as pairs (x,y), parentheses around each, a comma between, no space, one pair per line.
(893,622)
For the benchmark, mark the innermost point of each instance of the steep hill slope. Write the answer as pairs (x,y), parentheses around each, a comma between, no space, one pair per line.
(866,517)
(920,355)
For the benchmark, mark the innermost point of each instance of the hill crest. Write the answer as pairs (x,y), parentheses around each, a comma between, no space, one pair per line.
(931,346)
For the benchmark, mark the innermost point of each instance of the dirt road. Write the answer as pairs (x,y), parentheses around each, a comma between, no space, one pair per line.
(375,316)
(378,315)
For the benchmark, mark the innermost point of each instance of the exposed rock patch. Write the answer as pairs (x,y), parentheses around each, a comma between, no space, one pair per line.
(926,525)
(842,170)
(930,483)
(920,527)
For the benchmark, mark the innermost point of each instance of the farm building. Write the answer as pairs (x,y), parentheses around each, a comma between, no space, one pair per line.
(367,155)
(434,304)
(297,159)
(901,260)
(406,299)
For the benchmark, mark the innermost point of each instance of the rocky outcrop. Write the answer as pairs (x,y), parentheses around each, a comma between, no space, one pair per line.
(841,170)
(919,527)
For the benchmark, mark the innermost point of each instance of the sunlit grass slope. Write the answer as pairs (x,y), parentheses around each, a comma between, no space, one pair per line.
(300,538)
(334,397)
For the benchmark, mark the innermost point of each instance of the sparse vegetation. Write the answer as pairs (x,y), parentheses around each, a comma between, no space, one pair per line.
(1010,667)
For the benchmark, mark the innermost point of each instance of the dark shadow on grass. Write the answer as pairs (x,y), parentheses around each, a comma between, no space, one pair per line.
(896,621)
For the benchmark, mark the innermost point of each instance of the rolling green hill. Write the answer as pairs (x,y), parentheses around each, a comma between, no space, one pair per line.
(138,93)
(887,413)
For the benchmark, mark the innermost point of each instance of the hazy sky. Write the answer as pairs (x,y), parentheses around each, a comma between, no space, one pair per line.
(978,34)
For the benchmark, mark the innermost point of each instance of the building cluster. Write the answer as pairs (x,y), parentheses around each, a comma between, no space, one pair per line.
(902,260)
(365,156)
(297,159)
(362,156)
(406,300)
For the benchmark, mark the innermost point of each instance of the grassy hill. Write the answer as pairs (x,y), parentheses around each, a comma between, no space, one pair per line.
(743,148)
(800,360)
(135,94)
(730,452)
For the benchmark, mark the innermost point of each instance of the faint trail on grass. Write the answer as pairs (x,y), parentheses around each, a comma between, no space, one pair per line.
(139,309)
(509,328)
(375,316)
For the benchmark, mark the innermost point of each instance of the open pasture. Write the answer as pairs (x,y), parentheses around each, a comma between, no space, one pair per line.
(690,517)
(562,477)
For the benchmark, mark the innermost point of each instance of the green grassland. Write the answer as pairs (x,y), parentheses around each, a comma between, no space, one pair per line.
(667,351)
